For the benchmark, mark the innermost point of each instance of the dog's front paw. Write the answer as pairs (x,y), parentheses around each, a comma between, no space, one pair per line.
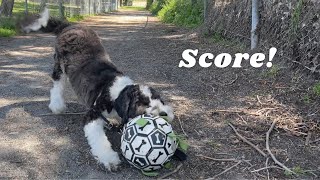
(110,160)
(57,106)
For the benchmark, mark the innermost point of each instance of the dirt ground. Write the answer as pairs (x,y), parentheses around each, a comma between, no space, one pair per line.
(205,100)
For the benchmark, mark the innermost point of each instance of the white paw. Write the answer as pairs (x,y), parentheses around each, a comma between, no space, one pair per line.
(109,159)
(57,106)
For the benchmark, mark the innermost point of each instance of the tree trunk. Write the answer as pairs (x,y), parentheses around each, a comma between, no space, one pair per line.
(6,7)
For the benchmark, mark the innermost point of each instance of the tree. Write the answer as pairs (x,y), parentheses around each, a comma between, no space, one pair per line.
(6,7)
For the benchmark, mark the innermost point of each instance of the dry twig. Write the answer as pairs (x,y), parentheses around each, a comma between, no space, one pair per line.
(51,114)
(236,111)
(182,127)
(172,172)
(233,81)
(269,151)
(225,171)
(246,141)
(214,159)
(307,142)
(267,167)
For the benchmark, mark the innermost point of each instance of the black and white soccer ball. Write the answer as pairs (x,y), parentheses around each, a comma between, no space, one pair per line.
(150,145)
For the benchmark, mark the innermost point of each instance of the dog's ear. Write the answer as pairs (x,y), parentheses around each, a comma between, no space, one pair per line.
(125,103)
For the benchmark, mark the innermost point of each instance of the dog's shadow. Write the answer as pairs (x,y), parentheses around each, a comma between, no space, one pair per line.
(68,126)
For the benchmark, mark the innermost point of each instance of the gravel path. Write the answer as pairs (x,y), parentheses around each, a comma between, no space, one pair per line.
(41,147)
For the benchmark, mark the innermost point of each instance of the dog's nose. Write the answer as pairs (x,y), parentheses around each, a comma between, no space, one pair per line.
(163,114)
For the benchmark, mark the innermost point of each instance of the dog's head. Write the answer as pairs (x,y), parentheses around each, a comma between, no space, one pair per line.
(135,100)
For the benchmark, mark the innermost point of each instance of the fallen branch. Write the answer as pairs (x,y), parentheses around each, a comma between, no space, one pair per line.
(225,171)
(233,81)
(172,172)
(51,114)
(269,151)
(268,167)
(182,127)
(246,141)
(214,159)
(236,111)
(307,142)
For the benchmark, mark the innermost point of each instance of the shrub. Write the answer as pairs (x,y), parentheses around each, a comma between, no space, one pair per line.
(7,27)
(182,13)
(157,6)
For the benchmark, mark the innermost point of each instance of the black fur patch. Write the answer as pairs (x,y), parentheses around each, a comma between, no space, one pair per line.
(155,95)
(128,102)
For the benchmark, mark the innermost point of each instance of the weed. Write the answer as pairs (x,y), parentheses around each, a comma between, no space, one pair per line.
(273,72)
(316,89)
(218,38)
(296,19)
(297,170)
(76,18)
(179,12)
(306,99)
(7,32)
(7,27)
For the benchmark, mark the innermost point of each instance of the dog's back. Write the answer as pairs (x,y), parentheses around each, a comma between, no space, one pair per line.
(84,60)
(79,54)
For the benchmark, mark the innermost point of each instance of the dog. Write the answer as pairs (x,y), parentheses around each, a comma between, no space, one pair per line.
(98,84)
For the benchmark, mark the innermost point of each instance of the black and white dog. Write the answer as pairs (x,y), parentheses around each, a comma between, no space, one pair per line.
(81,58)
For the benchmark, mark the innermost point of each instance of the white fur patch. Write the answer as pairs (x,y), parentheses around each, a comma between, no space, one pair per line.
(38,23)
(100,146)
(156,107)
(118,85)
(57,104)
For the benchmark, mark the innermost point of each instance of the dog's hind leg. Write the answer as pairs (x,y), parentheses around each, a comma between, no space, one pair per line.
(100,146)
(57,103)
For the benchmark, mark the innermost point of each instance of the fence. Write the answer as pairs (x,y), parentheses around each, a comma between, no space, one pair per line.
(65,8)
(292,26)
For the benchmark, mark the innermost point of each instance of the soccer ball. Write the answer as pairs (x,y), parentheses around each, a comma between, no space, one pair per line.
(148,142)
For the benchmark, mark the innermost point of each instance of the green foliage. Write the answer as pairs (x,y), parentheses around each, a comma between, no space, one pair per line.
(157,6)
(181,140)
(7,27)
(295,20)
(218,38)
(142,122)
(306,99)
(150,173)
(297,170)
(7,32)
(273,71)
(182,13)
(168,165)
(76,18)
(133,8)
(316,89)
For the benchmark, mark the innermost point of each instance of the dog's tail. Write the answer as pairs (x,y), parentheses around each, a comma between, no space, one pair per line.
(44,22)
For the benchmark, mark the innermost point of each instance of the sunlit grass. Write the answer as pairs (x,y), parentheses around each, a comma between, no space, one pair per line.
(76,18)
(7,32)
(133,8)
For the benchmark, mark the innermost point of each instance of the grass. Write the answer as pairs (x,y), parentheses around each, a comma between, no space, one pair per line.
(76,18)
(218,38)
(133,8)
(316,89)
(8,24)
(7,32)
(7,27)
